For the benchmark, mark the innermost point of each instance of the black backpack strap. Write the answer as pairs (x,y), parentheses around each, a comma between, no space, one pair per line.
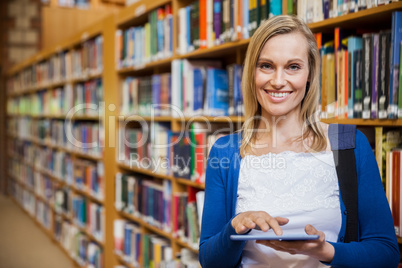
(342,139)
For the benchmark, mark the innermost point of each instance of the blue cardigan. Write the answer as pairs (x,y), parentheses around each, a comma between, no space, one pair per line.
(378,246)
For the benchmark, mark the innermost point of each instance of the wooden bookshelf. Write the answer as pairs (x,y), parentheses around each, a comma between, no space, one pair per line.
(99,29)
(365,122)
(111,118)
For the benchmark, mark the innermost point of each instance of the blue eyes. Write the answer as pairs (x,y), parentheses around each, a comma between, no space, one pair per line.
(265,66)
(292,67)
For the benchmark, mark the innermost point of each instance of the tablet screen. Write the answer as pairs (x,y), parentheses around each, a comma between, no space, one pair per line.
(285,237)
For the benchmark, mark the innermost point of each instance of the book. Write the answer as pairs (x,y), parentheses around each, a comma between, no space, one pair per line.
(253,24)
(217,21)
(396,39)
(400,85)
(384,74)
(217,92)
(275,8)
(367,75)
(328,80)
(375,75)
(354,44)
(181,161)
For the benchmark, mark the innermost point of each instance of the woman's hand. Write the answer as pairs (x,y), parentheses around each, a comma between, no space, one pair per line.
(246,221)
(318,249)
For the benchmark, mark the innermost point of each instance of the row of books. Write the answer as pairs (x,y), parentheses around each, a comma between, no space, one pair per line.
(85,137)
(187,216)
(145,199)
(24,197)
(315,11)
(88,215)
(146,96)
(84,175)
(74,3)
(207,23)
(78,246)
(80,137)
(44,214)
(43,187)
(35,208)
(205,88)
(89,177)
(76,243)
(148,250)
(21,172)
(78,63)
(180,154)
(137,46)
(138,248)
(47,131)
(25,127)
(392,158)
(361,74)
(86,99)
(152,202)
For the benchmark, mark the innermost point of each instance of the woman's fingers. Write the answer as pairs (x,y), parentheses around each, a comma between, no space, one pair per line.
(275,224)
(262,224)
(282,221)
(258,220)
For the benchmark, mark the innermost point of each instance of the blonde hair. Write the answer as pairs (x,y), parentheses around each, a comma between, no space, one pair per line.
(278,25)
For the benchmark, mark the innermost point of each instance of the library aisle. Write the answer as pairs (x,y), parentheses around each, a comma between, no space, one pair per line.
(23,244)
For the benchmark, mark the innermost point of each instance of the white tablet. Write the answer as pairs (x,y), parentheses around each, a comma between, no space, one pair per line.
(285,237)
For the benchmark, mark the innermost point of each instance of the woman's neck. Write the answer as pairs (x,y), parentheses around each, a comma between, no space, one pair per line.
(277,134)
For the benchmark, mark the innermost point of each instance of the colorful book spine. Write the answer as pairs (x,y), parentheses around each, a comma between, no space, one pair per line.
(354,44)
(384,74)
(217,20)
(375,75)
(367,75)
(396,39)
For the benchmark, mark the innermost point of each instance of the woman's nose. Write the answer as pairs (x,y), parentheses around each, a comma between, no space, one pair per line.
(278,79)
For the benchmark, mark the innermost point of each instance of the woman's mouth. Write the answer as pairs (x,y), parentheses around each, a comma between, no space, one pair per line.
(277,94)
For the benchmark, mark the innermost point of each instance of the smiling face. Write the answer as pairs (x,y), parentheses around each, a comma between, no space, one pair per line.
(281,75)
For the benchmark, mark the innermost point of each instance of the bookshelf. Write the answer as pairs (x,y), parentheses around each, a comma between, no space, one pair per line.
(59,86)
(114,120)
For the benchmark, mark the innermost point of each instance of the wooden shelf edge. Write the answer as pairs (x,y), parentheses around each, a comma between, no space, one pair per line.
(145,224)
(137,9)
(190,183)
(195,118)
(203,52)
(145,172)
(121,260)
(148,66)
(185,245)
(365,122)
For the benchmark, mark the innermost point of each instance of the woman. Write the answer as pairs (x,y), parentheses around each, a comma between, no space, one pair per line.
(278,174)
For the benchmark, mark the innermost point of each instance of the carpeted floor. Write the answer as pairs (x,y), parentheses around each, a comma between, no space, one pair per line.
(23,244)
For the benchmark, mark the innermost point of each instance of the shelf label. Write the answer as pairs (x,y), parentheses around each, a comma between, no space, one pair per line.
(131,2)
(84,36)
(140,10)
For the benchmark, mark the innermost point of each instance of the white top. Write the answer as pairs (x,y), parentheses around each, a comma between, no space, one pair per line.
(302,187)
